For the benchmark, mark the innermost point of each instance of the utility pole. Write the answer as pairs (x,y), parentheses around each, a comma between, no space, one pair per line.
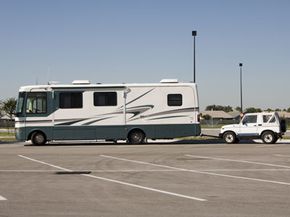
(241,85)
(194,33)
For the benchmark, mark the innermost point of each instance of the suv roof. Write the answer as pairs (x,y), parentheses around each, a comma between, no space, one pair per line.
(263,113)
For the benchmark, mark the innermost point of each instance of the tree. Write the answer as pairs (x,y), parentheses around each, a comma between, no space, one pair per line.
(210,107)
(228,109)
(1,109)
(206,117)
(8,107)
(269,110)
(253,110)
(238,109)
(219,108)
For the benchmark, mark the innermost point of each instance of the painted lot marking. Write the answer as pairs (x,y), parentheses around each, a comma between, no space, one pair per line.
(117,181)
(239,161)
(270,146)
(42,162)
(95,171)
(2,198)
(199,172)
(146,188)
(281,155)
(144,171)
(28,171)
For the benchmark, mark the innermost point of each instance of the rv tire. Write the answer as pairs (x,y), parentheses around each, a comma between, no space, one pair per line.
(136,137)
(38,138)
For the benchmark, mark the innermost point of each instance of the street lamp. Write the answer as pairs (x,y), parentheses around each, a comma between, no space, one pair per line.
(241,85)
(194,34)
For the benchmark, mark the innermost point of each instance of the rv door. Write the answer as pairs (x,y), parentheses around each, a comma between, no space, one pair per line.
(126,92)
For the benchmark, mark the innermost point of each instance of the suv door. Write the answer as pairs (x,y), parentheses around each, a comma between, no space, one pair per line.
(270,122)
(249,126)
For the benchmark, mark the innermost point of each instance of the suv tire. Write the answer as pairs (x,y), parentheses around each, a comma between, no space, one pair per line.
(230,137)
(269,137)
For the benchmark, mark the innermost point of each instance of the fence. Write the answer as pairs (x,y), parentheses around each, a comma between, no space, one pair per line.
(4,123)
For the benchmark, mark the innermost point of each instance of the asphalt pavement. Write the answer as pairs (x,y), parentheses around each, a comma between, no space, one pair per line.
(182,178)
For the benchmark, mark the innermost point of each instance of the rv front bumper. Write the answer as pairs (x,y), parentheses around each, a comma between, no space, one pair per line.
(20,134)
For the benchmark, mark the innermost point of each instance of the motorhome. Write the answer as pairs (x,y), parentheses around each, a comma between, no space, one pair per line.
(85,111)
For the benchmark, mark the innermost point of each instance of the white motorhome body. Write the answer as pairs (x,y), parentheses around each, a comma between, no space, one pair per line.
(84,111)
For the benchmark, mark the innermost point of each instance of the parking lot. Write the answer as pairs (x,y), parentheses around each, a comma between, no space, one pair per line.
(184,178)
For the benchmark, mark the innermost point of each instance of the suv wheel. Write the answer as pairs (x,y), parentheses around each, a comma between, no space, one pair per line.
(269,137)
(229,137)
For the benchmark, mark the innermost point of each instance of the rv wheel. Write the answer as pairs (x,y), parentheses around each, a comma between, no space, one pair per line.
(38,138)
(136,137)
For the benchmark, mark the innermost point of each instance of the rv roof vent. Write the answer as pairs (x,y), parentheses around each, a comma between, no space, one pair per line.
(169,81)
(52,82)
(81,82)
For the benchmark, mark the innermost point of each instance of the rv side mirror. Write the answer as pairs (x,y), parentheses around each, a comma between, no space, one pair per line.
(244,122)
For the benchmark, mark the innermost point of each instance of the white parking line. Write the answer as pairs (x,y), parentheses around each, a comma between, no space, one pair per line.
(200,172)
(239,161)
(146,188)
(270,146)
(119,182)
(42,162)
(245,170)
(95,171)
(281,155)
(2,198)
(148,171)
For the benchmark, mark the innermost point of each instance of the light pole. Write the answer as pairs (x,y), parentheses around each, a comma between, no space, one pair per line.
(241,85)
(194,34)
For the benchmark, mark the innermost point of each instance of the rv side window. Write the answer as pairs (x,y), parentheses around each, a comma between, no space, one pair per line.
(105,99)
(36,103)
(70,100)
(174,100)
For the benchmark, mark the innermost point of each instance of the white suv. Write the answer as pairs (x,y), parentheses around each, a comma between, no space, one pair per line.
(265,125)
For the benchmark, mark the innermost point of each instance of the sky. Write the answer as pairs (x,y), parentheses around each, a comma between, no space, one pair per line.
(138,41)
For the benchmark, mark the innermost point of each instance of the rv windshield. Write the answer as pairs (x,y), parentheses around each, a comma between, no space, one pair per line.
(36,103)
(20,103)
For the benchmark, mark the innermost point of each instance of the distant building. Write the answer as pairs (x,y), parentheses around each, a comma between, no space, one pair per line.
(236,115)
(217,114)
(285,115)
(217,117)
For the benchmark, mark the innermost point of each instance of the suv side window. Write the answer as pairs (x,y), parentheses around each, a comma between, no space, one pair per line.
(266,118)
(273,120)
(250,119)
